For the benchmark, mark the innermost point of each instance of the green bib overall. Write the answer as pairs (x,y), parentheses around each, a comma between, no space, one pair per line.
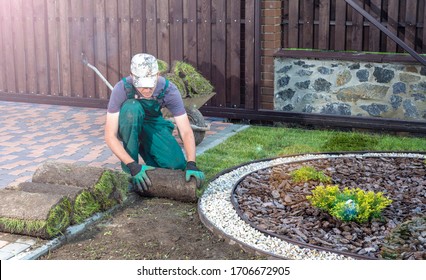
(144,131)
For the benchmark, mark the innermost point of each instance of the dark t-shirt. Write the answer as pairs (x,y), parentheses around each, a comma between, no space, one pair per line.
(172,99)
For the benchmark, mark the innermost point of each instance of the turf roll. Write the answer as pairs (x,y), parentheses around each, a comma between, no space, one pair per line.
(108,187)
(42,215)
(84,204)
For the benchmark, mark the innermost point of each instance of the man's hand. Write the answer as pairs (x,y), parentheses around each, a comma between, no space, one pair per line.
(192,171)
(139,177)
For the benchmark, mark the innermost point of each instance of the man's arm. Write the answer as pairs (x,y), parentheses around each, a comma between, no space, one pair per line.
(187,136)
(111,138)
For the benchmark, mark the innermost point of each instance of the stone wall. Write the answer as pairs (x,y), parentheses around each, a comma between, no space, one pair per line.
(388,90)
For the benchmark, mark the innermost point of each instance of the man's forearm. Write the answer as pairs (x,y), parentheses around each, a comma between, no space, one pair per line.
(189,145)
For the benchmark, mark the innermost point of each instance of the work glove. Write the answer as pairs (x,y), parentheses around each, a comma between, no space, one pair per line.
(139,177)
(192,171)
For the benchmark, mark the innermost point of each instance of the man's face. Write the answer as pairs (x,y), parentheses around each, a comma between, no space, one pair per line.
(147,92)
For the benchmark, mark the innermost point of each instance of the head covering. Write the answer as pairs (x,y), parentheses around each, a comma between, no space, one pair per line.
(144,68)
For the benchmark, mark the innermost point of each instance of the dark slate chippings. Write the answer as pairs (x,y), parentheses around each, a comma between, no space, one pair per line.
(282,208)
(423,71)
(419,97)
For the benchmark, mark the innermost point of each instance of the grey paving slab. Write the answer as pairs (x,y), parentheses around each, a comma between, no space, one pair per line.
(5,255)
(15,248)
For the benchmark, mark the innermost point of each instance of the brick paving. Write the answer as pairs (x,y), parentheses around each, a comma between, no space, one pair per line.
(31,134)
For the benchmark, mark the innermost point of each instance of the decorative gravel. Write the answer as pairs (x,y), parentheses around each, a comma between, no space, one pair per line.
(216,207)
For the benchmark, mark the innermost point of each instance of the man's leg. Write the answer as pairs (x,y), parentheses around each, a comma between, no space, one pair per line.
(130,127)
(159,147)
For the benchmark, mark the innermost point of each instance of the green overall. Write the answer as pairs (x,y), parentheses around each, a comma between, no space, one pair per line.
(144,131)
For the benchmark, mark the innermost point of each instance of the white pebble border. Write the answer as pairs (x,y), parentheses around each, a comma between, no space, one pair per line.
(216,207)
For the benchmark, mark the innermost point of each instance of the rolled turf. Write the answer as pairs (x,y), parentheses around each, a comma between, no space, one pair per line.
(42,215)
(108,187)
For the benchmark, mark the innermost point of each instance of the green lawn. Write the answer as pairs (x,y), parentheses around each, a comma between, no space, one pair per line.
(260,142)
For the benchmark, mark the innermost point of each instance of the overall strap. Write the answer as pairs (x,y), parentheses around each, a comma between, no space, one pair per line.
(161,95)
(129,89)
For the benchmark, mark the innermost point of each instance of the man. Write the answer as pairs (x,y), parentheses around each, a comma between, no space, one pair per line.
(134,118)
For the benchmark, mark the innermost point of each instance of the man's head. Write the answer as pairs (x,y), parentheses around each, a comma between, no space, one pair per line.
(144,69)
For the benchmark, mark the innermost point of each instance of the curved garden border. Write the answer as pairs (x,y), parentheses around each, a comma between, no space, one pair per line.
(218,214)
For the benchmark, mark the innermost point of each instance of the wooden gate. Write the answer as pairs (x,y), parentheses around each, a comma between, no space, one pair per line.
(41,43)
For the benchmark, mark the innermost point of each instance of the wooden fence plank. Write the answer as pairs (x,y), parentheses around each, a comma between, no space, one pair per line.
(137,27)
(357,29)
(285,7)
(204,41)
(219,52)
(190,32)
(324,25)
(4,69)
(88,48)
(3,82)
(113,56)
(308,24)
(76,29)
(64,49)
(234,52)
(424,29)
(373,32)
(19,45)
(151,27)
(163,34)
(250,54)
(293,24)
(30,53)
(340,29)
(124,37)
(410,23)
(101,61)
(393,10)
(41,50)
(52,45)
(176,30)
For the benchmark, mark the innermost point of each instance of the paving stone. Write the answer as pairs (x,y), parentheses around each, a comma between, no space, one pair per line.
(3,243)
(27,241)
(5,255)
(15,248)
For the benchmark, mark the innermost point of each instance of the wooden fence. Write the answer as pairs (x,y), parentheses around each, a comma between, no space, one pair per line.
(41,42)
(334,25)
